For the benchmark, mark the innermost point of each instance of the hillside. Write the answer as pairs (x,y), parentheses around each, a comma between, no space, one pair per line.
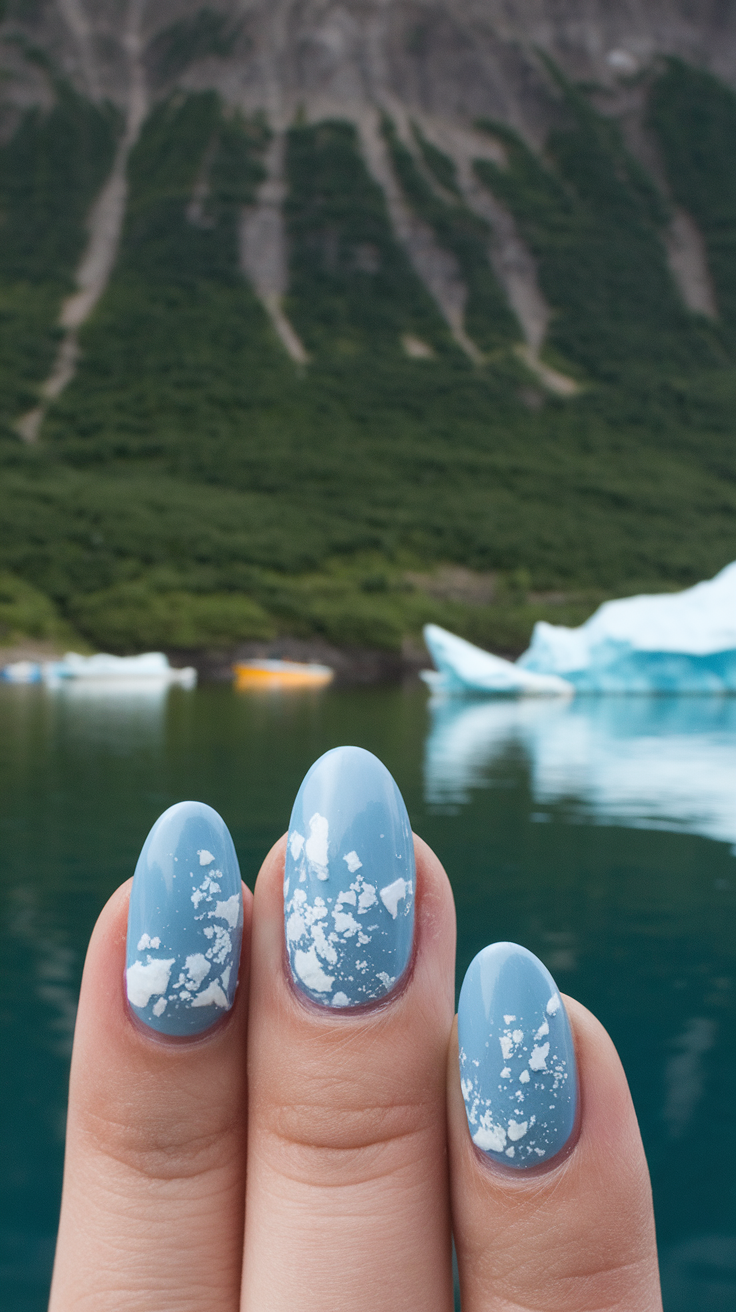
(333,320)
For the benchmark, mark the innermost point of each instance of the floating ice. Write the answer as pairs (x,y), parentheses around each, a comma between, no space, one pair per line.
(463,668)
(670,642)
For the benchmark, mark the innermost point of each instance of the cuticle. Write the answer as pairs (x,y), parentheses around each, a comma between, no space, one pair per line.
(162,1040)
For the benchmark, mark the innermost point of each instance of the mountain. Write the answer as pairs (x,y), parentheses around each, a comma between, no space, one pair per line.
(336,318)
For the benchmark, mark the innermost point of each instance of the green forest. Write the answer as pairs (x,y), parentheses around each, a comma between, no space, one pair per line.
(195,487)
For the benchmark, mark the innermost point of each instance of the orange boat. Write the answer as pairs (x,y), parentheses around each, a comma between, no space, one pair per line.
(281,674)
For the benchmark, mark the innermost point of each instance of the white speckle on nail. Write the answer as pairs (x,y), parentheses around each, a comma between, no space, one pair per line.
(143,982)
(543,1029)
(392,894)
(212,994)
(490,1137)
(386,979)
(205,858)
(310,971)
(525,1077)
(296,843)
(353,862)
(507,1046)
(159,1007)
(554,1004)
(367,897)
(506,1072)
(341,1000)
(229,911)
(317,844)
(197,967)
(517,1036)
(146,942)
(508,1019)
(517,1131)
(225,976)
(295,927)
(538,1059)
(345,923)
(510,1152)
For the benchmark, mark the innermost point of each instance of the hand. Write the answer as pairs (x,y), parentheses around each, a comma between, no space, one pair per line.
(298,1158)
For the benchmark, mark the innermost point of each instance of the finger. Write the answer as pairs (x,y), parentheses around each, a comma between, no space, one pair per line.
(154,1179)
(347,1202)
(576,1233)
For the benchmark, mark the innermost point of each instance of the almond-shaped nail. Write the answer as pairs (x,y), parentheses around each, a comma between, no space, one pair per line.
(185,922)
(349,881)
(517,1058)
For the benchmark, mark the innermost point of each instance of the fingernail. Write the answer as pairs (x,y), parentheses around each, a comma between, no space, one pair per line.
(185,922)
(517,1058)
(349,881)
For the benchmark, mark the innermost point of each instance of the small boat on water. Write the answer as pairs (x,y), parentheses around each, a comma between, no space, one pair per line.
(152,669)
(281,674)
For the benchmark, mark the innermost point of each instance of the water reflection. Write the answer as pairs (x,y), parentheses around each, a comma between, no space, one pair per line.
(651,762)
(120,715)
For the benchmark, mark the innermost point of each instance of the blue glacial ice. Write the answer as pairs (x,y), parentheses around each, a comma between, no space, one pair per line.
(666,643)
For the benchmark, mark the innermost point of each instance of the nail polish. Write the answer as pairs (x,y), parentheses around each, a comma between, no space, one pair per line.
(349,881)
(185,922)
(517,1058)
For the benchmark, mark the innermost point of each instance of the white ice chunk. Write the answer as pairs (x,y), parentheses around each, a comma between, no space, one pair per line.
(353,862)
(386,979)
(144,982)
(225,976)
(538,1059)
(296,843)
(213,994)
(146,942)
(159,1007)
(316,846)
(392,894)
(507,1046)
(506,1072)
(205,858)
(524,1078)
(554,1004)
(230,910)
(464,668)
(601,655)
(340,1000)
(311,973)
(543,1029)
(508,1019)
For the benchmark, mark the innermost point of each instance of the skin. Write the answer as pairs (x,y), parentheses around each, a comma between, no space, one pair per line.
(359,1159)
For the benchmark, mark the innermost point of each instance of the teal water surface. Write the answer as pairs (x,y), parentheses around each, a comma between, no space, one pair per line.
(601,834)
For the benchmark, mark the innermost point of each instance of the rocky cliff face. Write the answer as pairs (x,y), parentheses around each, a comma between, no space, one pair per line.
(438,66)
(453,278)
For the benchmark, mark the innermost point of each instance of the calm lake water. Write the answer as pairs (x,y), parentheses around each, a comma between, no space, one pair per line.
(601,834)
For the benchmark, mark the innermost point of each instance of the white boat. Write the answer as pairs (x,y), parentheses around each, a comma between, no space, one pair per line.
(150,669)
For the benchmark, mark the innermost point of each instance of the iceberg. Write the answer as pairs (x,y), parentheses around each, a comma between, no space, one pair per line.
(151,668)
(464,668)
(682,642)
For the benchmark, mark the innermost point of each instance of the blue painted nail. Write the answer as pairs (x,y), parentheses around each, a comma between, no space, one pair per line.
(185,922)
(517,1058)
(349,881)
